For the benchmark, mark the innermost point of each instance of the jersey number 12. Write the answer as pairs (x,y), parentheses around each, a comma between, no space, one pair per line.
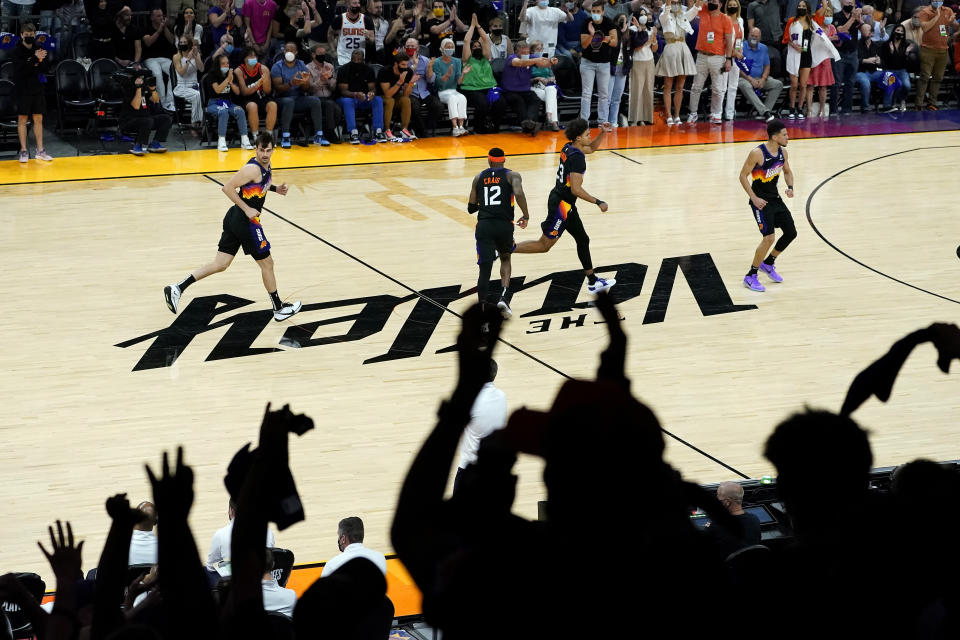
(491,196)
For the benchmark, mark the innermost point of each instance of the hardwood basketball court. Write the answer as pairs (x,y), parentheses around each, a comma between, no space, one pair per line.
(101,377)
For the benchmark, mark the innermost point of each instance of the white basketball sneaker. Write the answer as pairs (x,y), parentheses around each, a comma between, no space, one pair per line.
(601,285)
(505,309)
(287,310)
(172,295)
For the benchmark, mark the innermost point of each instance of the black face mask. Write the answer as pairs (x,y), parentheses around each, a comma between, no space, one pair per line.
(712,6)
(497,32)
(353,10)
(732,10)
(801,11)
(897,35)
(184,47)
(28,40)
(477,53)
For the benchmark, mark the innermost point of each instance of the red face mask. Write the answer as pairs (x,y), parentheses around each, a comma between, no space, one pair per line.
(410,50)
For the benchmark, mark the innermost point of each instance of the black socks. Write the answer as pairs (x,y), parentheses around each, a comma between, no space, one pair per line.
(753,271)
(189,280)
(275,299)
(591,278)
(769,260)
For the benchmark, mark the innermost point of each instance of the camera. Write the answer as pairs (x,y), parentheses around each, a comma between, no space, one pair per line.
(126,78)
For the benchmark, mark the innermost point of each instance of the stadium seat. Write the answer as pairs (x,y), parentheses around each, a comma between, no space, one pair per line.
(74,102)
(19,623)
(6,71)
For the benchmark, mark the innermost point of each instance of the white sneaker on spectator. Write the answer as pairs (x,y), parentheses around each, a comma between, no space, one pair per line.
(670,121)
(692,118)
(390,137)
(24,156)
(457,132)
(43,155)
(245,143)
(222,144)
(354,137)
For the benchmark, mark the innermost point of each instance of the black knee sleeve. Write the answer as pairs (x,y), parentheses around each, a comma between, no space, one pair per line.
(789,233)
(483,282)
(583,251)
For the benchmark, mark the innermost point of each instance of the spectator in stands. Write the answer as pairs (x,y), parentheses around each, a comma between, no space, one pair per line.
(541,22)
(847,22)
(478,80)
(422,94)
(275,597)
(187,24)
(442,23)
(375,50)
(879,24)
(159,47)
(220,86)
(141,112)
(69,15)
(731,78)
(220,18)
(488,414)
(143,541)
(517,85)
(15,9)
(821,76)
(356,82)
(914,27)
(893,58)
(500,45)
(802,44)
(568,33)
(323,85)
(405,26)
(394,84)
(730,495)
(545,85)
(350,543)
(256,91)
(100,17)
(642,44)
(350,604)
(869,55)
(765,15)
(351,30)
(758,78)
(446,72)
(935,19)
(225,48)
(290,78)
(220,544)
(30,64)
(188,66)
(619,70)
(258,18)
(676,61)
(714,55)
(598,37)
(126,39)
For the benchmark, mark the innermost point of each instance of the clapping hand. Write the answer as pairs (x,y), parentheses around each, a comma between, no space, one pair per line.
(65,557)
(41,54)
(590,28)
(172,492)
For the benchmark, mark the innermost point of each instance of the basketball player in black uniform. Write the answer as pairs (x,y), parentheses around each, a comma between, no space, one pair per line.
(562,214)
(759,176)
(242,228)
(492,198)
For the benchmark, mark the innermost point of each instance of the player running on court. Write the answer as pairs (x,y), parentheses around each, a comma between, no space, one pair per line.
(759,176)
(562,214)
(247,189)
(492,197)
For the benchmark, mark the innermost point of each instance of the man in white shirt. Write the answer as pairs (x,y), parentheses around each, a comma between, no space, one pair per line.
(350,544)
(143,542)
(540,21)
(489,414)
(220,545)
(275,597)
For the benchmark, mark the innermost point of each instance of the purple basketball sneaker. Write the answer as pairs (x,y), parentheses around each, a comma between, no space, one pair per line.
(753,283)
(771,272)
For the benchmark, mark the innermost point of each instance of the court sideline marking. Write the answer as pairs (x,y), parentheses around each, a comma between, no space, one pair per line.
(847,255)
(454,313)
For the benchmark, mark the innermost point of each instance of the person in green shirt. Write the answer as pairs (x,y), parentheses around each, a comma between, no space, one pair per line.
(478,80)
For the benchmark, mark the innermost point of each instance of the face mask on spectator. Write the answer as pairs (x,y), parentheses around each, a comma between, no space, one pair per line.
(476,52)
(915,22)
(675,8)
(596,17)
(713,6)
(828,20)
(252,62)
(571,6)
(732,9)
(801,11)
(754,41)
(353,10)
(448,51)
(524,56)
(438,12)
(228,48)
(184,47)
(543,4)
(289,56)
(411,51)
(898,34)
(28,40)
(937,4)
(642,19)
(497,32)
(224,70)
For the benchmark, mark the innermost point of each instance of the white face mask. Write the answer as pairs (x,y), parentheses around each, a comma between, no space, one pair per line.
(642,19)
(448,52)
(289,56)
(524,56)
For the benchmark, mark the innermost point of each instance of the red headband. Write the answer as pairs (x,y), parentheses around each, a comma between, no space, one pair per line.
(497,158)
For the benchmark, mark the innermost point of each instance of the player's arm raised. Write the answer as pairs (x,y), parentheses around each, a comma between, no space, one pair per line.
(517,183)
(249,173)
(787,174)
(576,187)
(472,206)
(754,158)
(595,143)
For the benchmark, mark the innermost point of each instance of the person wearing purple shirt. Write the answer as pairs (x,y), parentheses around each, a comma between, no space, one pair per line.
(516,82)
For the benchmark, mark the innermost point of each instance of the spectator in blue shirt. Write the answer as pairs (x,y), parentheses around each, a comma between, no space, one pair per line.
(757,79)
(568,33)
(290,77)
